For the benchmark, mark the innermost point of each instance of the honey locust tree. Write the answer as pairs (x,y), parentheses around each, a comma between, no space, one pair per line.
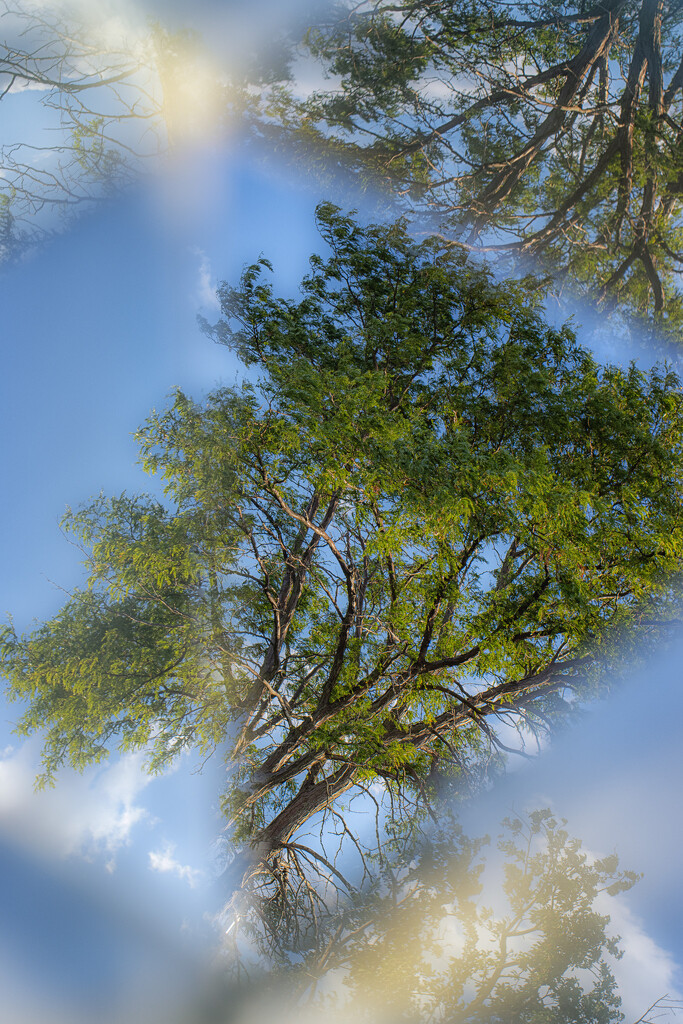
(544,130)
(432,513)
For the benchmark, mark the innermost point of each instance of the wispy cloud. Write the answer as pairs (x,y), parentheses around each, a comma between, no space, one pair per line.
(206,287)
(86,814)
(163,861)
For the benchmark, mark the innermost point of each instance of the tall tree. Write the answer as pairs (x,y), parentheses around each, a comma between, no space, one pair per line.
(543,130)
(433,513)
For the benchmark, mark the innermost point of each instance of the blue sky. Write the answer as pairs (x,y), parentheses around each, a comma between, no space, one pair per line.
(100,325)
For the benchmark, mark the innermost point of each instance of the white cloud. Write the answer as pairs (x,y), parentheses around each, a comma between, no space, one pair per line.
(646,972)
(164,862)
(22,85)
(84,814)
(206,288)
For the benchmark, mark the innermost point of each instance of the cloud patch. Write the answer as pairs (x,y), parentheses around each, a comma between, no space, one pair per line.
(645,972)
(83,814)
(205,291)
(164,862)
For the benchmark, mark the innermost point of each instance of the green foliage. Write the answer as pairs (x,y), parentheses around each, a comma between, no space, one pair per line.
(433,511)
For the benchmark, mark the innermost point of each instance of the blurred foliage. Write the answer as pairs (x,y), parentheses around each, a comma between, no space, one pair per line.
(460,932)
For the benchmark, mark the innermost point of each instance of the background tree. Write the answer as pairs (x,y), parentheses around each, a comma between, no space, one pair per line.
(439,938)
(540,130)
(431,515)
(101,98)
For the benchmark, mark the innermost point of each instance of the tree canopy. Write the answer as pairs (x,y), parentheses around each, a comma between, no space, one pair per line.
(431,514)
(547,131)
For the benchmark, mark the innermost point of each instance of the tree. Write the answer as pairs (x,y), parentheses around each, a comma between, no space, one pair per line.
(437,938)
(543,131)
(448,928)
(433,513)
(100,114)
